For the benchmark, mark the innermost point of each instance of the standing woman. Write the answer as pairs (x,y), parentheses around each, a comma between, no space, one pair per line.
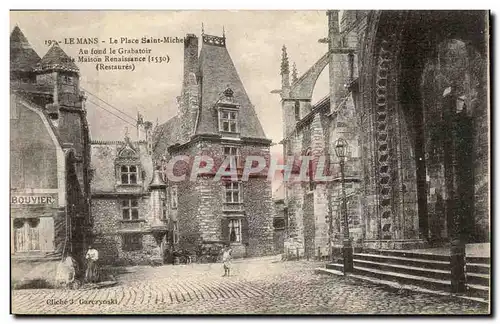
(91,272)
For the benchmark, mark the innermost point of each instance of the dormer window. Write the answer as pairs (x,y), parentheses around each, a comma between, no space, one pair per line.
(228,112)
(228,121)
(129,174)
(128,168)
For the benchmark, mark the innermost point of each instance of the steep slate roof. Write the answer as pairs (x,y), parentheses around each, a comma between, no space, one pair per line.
(165,135)
(56,58)
(218,72)
(22,56)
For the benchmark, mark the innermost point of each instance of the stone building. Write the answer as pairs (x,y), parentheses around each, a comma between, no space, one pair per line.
(417,84)
(216,118)
(310,130)
(49,158)
(131,219)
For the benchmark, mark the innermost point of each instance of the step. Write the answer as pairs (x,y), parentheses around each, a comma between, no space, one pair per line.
(414,262)
(418,289)
(478,291)
(416,271)
(429,256)
(430,283)
(328,271)
(335,266)
(478,279)
(478,268)
(413,255)
(416,283)
(480,260)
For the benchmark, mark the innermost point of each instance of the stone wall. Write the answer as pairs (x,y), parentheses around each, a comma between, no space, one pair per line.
(33,153)
(201,205)
(260,212)
(103,158)
(109,228)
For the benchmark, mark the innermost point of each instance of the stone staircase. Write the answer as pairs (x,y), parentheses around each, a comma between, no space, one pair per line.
(428,271)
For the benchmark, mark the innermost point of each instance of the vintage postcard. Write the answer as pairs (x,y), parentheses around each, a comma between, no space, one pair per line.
(250,162)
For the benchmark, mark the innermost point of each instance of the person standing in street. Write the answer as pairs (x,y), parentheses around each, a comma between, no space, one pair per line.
(226,260)
(91,273)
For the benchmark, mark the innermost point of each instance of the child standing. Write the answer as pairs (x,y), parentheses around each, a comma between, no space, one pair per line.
(226,260)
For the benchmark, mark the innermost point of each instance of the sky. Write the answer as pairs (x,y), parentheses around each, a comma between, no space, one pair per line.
(254,40)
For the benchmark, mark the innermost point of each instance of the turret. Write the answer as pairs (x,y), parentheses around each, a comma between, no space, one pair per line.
(158,189)
(56,68)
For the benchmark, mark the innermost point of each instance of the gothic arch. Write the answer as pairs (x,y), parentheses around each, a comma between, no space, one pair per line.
(303,88)
(394,51)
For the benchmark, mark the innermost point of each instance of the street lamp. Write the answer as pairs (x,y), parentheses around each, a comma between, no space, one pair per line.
(341,149)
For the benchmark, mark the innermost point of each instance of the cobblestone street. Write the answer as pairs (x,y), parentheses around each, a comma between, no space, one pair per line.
(258,286)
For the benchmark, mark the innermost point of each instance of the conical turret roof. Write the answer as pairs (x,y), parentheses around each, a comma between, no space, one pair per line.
(57,59)
(22,56)
(157,182)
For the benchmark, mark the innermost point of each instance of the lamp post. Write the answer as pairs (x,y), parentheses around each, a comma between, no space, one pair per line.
(455,152)
(341,147)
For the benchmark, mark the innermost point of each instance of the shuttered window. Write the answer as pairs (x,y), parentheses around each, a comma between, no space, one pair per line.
(26,234)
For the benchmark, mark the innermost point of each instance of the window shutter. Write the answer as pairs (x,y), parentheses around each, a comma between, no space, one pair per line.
(225,229)
(244,230)
(46,234)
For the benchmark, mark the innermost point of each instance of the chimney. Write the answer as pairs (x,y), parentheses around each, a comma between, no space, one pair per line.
(190,56)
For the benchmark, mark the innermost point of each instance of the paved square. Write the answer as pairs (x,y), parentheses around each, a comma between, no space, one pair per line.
(257,286)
